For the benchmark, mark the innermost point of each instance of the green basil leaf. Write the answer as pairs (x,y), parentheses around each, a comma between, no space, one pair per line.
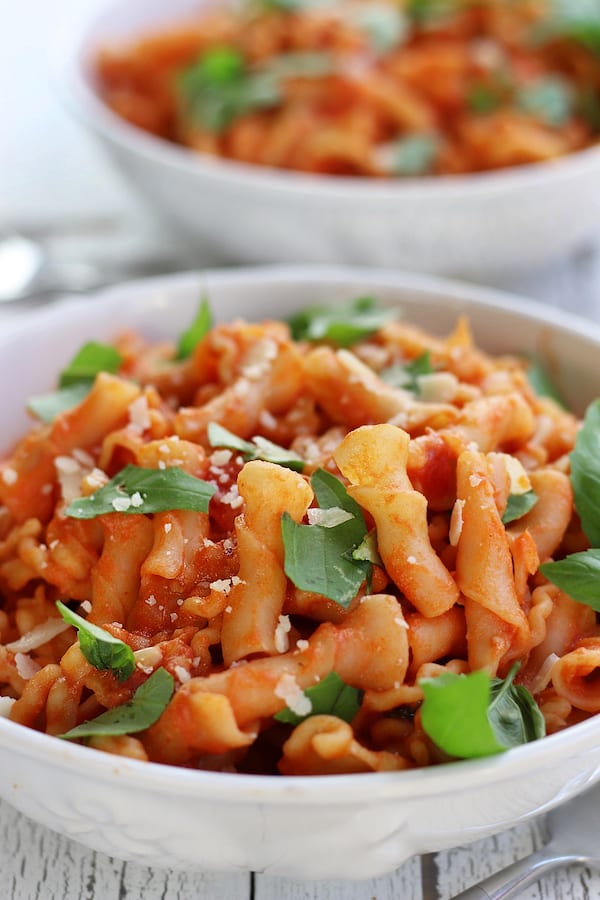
(147,490)
(319,557)
(368,550)
(575,20)
(513,713)
(470,716)
(541,382)
(88,362)
(143,710)
(384,25)
(518,505)
(259,448)
(293,6)
(316,559)
(343,325)
(483,99)
(100,648)
(407,376)
(427,12)
(331,492)
(218,436)
(46,407)
(192,336)
(585,473)
(588,106)
(412,155)
(454,714)
(218,88)
(578,575)
(549,99)
(331,696)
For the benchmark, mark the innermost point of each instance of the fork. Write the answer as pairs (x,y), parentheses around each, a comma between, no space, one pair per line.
(28,271)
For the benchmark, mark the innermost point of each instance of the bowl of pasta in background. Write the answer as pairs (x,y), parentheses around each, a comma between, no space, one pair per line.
(477,224)
(344,825)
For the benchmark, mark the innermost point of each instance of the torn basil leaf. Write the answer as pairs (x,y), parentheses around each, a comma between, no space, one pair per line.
(319,558)
(191,337)
(139,490)
(541,382)
(343,325)
(549,99)
(143,710)
(100,648)
(470,716)
(407,376)
(483,99)
(368,550)
(574,20)
(46,407)
(578,575)
(384,25)
(513,713)
(519,505)
(220,87)
(331,696)
(88,362)
(258,448)
(76,380)
(217,89)
(412,155)
(585,473)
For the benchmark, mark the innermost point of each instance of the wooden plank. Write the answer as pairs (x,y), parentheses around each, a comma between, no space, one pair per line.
(403,884)
(37,864)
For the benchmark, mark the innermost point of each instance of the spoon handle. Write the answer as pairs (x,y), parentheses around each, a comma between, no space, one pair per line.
(514,878)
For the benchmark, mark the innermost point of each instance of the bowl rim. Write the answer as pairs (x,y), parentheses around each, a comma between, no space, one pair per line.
(447,778)
(67,63)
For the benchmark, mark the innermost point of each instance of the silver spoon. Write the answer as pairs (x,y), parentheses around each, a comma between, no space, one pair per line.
(29,271)
(573,829)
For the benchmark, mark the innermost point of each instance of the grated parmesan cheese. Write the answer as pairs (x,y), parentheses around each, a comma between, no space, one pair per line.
(221,585)
(456,522)
(288,689)
(38,636)
(220,458)
(9,476)
(121,504)
(328,518)
(5,706)
(438,387)
(282,642)
(26,666)
(182,674)
(139,414)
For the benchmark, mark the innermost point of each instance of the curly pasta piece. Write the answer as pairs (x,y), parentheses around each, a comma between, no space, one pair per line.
(256,599)
(326,745)
(374,458)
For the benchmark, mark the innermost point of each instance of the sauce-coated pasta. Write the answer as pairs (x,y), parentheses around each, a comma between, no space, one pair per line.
(292,539)
(367,87)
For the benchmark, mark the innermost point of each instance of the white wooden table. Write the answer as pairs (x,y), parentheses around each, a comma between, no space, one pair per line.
(49,171)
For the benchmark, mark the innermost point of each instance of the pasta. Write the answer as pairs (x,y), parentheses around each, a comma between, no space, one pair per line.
(264,553)
(370,88)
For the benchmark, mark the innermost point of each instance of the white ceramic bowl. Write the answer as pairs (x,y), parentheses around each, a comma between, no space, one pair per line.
(353,826)
(474,225)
